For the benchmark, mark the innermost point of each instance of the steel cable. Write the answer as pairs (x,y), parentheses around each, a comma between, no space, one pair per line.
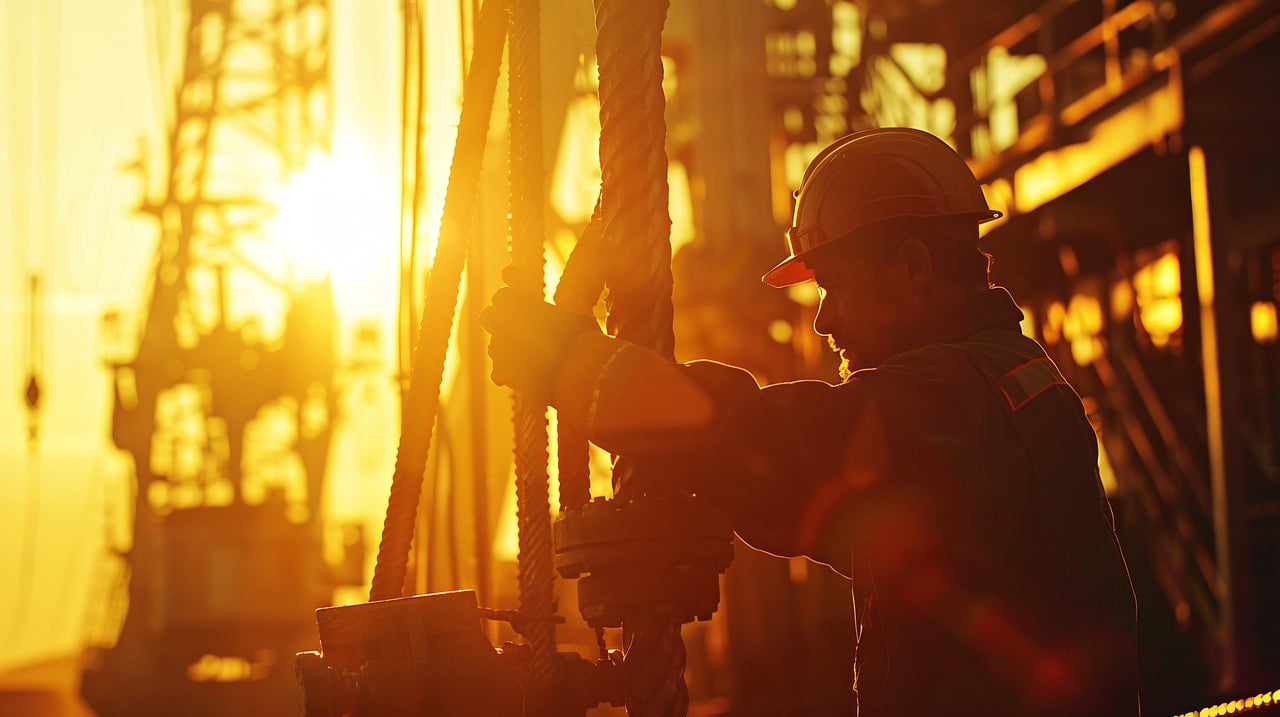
(655,660)
(423,398)
(633,166)
(637,229)
(533,503)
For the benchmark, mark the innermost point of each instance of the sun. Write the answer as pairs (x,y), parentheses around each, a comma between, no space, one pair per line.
(337,218)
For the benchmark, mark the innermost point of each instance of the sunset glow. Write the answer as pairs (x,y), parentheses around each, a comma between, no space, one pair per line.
(337,218)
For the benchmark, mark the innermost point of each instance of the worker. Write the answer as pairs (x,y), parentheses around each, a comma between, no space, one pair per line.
(951,474)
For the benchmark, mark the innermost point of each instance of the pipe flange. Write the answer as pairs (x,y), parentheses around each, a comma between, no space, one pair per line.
(651,558)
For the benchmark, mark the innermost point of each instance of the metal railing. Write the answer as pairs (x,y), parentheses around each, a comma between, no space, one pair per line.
(1095,53)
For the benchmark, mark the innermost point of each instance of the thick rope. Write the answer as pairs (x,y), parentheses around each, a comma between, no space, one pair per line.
(422,401)
(533,502)
(637,228)
(633,165)
(655,660)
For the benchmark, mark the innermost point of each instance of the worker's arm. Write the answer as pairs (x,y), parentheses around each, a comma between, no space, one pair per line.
(783,461)
(627,398)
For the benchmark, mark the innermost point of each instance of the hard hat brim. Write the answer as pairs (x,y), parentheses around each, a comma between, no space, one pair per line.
(793,270)
(788,272)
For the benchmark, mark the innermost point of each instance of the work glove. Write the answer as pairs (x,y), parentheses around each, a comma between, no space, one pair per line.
(530,340)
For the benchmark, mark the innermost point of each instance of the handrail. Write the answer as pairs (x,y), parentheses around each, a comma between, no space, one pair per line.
(1164,55)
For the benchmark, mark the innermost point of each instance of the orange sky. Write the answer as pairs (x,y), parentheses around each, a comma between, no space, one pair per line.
(78,93)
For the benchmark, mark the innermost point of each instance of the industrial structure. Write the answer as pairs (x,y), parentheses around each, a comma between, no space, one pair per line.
(1129,144)
(224,388)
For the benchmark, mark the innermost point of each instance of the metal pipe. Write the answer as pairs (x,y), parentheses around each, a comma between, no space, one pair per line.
(579,289)
(1217,341)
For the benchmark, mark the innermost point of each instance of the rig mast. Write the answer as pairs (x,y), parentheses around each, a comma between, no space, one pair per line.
(224,390)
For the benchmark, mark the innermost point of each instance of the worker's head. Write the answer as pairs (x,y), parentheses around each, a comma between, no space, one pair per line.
(886,222)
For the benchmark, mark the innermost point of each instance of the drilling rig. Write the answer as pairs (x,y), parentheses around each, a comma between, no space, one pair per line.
(1022,94)
(224,391)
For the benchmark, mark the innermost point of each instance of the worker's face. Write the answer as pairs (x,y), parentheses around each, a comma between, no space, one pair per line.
(871,303)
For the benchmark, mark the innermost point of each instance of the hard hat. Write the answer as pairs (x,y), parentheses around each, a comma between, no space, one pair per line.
(868,177)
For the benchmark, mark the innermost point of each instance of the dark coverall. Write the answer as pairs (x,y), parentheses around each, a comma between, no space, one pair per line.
(957,484)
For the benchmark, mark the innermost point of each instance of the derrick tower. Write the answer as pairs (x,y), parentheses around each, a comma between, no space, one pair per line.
(223,383)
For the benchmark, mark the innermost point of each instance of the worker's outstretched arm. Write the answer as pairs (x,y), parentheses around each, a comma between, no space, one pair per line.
(781,461)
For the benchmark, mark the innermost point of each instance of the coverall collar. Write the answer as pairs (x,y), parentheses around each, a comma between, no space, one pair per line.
(990,309)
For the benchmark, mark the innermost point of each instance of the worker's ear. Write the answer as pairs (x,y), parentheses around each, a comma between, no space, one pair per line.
(917,265)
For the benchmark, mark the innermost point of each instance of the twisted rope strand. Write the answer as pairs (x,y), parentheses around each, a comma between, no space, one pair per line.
(422,401)
(533,511)
(633,163)
(637,227)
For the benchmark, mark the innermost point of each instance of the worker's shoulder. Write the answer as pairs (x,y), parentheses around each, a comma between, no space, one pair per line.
(960,371)
(1013,366)
(1003,348)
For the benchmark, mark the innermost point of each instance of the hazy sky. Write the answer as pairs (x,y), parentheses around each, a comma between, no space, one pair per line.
(78,89)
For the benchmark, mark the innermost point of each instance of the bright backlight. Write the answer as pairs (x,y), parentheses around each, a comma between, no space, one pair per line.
(337,218)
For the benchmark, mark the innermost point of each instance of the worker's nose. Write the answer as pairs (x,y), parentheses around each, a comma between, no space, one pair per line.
(822,322)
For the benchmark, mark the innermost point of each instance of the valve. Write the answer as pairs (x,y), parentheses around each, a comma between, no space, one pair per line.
(650,558)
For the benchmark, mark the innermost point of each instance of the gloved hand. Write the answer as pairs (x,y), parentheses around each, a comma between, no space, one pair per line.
(530,339)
